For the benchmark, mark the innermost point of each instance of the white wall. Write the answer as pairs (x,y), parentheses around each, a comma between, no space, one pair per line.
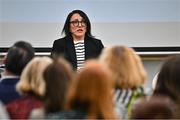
(135,23)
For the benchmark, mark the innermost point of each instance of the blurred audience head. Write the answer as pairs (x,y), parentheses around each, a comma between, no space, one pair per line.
(168,80)
(58,77)
(157,107)
(31,80)
(92,91)
(18,56)
(126,66)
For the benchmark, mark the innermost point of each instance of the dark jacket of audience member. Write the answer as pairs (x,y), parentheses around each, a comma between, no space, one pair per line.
(15,61)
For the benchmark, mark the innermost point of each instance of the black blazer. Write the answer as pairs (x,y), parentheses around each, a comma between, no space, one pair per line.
(65,47)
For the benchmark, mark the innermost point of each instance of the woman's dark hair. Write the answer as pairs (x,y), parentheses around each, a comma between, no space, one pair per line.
(57,76)
(66,28)
(155,107)
(169,78)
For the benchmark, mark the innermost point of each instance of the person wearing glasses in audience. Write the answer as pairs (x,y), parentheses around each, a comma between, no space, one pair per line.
(78,44)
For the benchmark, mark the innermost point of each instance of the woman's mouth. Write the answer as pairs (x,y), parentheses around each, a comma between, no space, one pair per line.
(80,30)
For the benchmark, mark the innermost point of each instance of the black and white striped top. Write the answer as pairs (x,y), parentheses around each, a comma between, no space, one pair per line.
(80,53)
(122,99)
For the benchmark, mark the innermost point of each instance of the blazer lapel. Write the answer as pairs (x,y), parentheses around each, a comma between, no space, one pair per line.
(71,49)
(87,45)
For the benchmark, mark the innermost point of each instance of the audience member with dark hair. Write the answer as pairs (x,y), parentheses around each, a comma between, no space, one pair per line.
(78,44)
(90,96)
(15,61)
(128,75)
(18,56)
(156,107)
(168,79)
(58,77)
(32,87)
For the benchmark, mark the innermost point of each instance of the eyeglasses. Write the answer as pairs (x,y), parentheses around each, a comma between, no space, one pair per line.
(77,23)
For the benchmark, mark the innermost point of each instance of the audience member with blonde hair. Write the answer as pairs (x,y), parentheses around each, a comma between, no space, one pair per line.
(58,77)
(90,96)
(32,86)
(128,74)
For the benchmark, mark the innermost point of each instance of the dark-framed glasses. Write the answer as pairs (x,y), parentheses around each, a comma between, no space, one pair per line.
(77,23)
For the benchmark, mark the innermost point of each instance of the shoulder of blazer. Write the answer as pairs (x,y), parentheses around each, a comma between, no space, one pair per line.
(64,40)
(58,46)
(60,40)
(93,40)
(97,42)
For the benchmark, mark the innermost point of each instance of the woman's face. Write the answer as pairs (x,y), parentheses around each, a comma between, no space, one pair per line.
(77,27)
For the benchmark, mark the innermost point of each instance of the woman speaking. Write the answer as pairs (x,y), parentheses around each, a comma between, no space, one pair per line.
(78,44)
